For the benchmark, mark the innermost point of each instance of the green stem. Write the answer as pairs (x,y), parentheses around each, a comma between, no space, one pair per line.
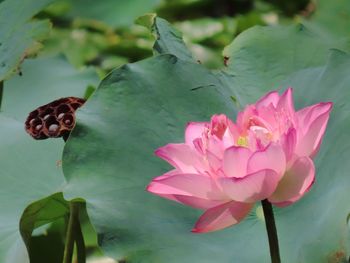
(79,241)
(1,91)
(71,230)
(271,231)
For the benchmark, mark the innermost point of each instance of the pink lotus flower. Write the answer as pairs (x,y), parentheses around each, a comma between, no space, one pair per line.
(224,168)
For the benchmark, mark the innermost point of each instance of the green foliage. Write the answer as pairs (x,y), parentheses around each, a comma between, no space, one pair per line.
(112,12)
(28,173)
(19,35)
(108,161)
(31,170)
(42,212)
(48,246)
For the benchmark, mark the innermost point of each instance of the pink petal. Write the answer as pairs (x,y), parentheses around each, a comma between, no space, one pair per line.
(231,134)
(167,175)
(309,142)
(214,162)
(256,120)
(243,117)
(182,157)
(262,136)
(253,142)
(270,98)
(308,115)
(215,146)
(221,216)
(235,161)
(198,145)
(218,125)
(272,157)
(295,183)
(193,185)
(288,142)
(268,114)
(286,103)
(192,201)
(194,130)
(195,202)
(251,188)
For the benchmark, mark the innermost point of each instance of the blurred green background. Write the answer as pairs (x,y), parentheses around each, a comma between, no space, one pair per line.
(103,33)
(89,38)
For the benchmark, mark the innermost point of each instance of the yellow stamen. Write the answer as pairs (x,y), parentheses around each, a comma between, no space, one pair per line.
(242,141)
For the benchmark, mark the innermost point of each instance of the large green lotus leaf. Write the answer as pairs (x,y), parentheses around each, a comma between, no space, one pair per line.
(29,172)
(261,57)
(42,81)
(19,35)
(113,12)
(320,220)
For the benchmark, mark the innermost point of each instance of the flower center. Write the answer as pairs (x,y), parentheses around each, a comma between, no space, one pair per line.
(242,141)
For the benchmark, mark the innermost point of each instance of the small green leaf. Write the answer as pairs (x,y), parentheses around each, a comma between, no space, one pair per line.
(42,212)
(168,40)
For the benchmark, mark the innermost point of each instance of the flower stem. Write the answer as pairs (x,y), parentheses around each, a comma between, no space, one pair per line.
(271,231)
(74,234)
(79,241)
(1,91)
